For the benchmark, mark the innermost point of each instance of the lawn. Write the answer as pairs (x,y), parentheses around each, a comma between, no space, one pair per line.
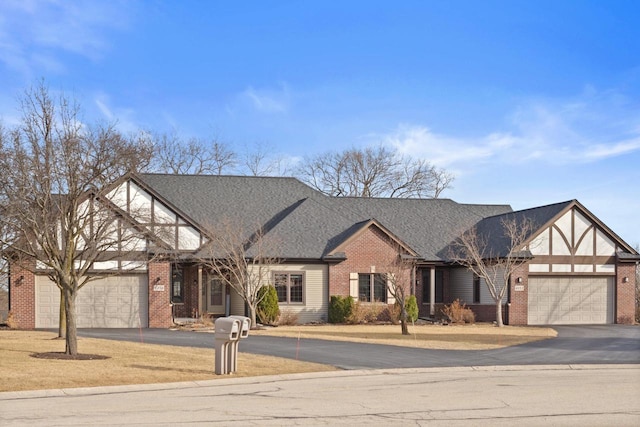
(480,336)
(127,363)
(141,363)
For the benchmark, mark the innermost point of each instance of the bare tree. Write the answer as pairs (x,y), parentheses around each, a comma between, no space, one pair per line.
(242,258)
(494,255)
(57,171)
(399,273)
(259,160)
(373,172)
(175,155)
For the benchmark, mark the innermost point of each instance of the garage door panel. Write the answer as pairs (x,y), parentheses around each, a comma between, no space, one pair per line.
(570,300)
(114,302)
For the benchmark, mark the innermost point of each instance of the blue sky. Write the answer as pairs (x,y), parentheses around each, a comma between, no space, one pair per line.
(527,102)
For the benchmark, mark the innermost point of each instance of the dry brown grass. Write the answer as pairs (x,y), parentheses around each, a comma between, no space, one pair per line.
(453,337)
(128,363)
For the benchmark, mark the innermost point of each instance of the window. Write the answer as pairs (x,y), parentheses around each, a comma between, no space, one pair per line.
(476,289)
(372,287)
(426,286)
(290,287)
(177,288)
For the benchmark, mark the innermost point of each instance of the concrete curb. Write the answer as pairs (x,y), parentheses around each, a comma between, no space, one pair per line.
(133,388)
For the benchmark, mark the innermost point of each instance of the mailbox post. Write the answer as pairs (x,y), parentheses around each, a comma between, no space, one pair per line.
(227,331)
(232,356)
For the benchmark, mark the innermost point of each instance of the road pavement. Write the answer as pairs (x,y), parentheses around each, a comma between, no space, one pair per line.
(595,395)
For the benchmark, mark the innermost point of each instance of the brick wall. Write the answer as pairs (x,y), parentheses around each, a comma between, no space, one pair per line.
(518,310)
(370,248)
(22,297)
(159,303)
(625,293)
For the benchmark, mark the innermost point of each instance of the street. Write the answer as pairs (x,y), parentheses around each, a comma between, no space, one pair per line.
(594,395)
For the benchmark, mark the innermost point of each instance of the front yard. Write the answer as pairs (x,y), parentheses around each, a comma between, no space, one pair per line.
(479,336)
(141,363)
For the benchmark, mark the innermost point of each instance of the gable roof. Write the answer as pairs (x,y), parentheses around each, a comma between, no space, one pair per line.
(426,225)
(492,228)
(541,217)
(306,224)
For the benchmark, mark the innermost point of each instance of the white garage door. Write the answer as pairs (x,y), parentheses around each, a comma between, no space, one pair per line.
(113,302)
(570,300)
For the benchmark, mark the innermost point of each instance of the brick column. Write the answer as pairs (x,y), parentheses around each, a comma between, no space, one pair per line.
(625,293)
(22,296)
(519,308)
(159,293)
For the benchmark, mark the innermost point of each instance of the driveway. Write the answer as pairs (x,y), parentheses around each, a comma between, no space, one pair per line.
(606,344)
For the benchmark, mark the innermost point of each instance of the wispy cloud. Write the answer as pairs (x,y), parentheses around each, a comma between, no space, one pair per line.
(590,127)
(33,33)
(269,100)
(124,118)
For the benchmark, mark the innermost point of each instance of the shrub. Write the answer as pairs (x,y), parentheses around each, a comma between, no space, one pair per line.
(207,319)
(390,313)
(11,321)
(367,313)
(340,308)
(288,318)
(268,309)
(411,305)
(458,312)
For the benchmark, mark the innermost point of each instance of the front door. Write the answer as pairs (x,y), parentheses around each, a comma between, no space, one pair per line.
(215,295)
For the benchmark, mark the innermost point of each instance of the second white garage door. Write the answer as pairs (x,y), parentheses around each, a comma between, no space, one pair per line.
(113,302)
(570,300)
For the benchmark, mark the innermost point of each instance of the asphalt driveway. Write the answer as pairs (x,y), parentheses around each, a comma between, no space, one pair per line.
(606,344)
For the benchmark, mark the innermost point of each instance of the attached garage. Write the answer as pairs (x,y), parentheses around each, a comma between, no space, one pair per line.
(571,300)
(112,302)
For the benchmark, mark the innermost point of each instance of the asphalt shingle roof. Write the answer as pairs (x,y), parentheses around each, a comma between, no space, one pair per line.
(491,228)
(305,224)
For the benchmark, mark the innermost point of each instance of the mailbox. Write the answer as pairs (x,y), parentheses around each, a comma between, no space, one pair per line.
(245,325)
(232,349)
(227,332)
(227,328)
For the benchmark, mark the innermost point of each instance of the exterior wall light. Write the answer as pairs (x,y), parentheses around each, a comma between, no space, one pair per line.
(625,280)
(519,280)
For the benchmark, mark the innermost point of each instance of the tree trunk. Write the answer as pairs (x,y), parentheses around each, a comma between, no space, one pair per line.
(403,320)
(62,323)
(404,326)
(499,313)
(72,332)
(252,314)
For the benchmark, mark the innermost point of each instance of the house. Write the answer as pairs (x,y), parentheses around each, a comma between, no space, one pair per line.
(578,270)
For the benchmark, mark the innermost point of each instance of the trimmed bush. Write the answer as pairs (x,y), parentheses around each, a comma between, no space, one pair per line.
(340,308)
(411,305)
(268,309)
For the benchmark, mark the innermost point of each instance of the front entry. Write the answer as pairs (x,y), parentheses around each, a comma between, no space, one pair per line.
(216,295)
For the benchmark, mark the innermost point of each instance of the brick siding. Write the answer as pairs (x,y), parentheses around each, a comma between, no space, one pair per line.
(518,309)
(159,303)
(370,248)
(23,297)
(625,293)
